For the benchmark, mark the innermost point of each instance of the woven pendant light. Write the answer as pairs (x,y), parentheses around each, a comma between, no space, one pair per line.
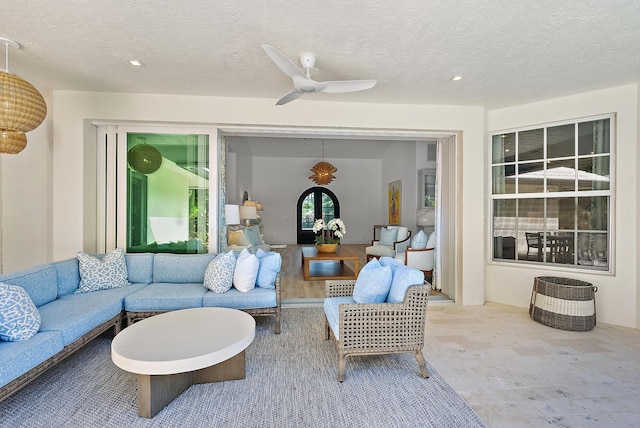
(22,107)
(323,171)
(144,158)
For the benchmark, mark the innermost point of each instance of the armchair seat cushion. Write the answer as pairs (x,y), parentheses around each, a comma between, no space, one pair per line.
(380,251)
(332,312)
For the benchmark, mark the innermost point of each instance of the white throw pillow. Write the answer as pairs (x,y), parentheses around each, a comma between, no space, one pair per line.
(246,272)
(373,283)
(19,317)
(97,274)
(218,277)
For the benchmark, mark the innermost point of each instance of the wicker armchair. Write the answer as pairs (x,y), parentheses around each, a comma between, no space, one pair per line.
(381,328)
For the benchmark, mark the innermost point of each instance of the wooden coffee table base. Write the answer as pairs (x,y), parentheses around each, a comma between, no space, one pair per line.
(155,392)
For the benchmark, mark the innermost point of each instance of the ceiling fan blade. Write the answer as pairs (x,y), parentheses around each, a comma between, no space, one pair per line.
(289,97)
(339,86)
(283,63)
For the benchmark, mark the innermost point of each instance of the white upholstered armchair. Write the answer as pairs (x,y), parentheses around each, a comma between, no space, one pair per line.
(420,254)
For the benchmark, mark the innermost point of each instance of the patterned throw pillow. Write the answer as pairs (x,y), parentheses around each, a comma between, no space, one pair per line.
(246,272)
(19,317)
(270,265)
(96,274)
(218,277)
(373,283)
(388,236)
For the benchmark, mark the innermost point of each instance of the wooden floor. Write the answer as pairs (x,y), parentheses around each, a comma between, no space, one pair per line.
(293,284)
(295,287)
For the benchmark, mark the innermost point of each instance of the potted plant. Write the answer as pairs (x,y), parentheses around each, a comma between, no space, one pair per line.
(329,234)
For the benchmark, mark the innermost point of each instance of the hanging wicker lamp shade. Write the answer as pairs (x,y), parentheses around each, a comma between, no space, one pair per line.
(323,173)
(144,158)
(22,109)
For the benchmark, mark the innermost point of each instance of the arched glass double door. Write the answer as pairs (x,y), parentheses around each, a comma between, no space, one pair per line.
(315,203)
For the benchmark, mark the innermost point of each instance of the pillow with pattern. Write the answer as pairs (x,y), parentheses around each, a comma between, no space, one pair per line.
(102,274)
(19,317)
(218,277)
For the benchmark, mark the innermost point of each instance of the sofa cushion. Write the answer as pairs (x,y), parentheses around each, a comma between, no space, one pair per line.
(380,251)
(68,276)
(74,315)
(270,265)
(256,298)
(373,283)
(41,282)
(332,312)
(19,317)
(139,267)
(218,276)
(388,236)
(176,268)
(246,271)
(403,278)
(165,297)
(419,241)
(20,357)
(102,274)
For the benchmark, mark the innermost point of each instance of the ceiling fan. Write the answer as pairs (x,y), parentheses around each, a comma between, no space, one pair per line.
(302,82)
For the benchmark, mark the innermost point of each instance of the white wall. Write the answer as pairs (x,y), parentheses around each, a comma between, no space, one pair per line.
(26,201)
(617,297)
(400,163)
(278,183)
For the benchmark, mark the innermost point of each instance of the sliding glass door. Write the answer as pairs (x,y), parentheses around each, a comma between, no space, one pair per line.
(165,189)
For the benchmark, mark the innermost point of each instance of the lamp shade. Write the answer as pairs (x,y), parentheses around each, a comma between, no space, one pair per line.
(252,203)
(144,158)
(22,109)
(248,213)
(232,214)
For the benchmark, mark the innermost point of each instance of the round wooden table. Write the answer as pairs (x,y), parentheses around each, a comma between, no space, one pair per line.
(171,351)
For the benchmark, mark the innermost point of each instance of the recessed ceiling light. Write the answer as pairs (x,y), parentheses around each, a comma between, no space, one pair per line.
(136,62)
(456,77)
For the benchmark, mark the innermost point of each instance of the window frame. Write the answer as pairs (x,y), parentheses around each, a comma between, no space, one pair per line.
(545,195)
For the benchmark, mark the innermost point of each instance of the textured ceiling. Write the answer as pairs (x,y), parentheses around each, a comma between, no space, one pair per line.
(509,51)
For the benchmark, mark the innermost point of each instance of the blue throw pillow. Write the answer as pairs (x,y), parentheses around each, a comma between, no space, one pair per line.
(270,265)
(391,262)
(403,278)
(388,236)
(373,283)
(419,241)
(96,274)
(253,235)
(218,277)
(19,317)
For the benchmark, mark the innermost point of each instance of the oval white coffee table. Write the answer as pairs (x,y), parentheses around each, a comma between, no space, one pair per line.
(171,351)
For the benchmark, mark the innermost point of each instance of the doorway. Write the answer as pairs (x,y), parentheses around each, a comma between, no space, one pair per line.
(314,203)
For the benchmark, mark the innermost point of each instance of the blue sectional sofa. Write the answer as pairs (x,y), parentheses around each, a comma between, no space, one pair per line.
(159,283)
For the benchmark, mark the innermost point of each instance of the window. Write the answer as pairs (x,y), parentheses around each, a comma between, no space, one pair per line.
(551,194)
(167,193)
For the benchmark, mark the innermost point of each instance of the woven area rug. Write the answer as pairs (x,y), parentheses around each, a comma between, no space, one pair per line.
(290,381)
